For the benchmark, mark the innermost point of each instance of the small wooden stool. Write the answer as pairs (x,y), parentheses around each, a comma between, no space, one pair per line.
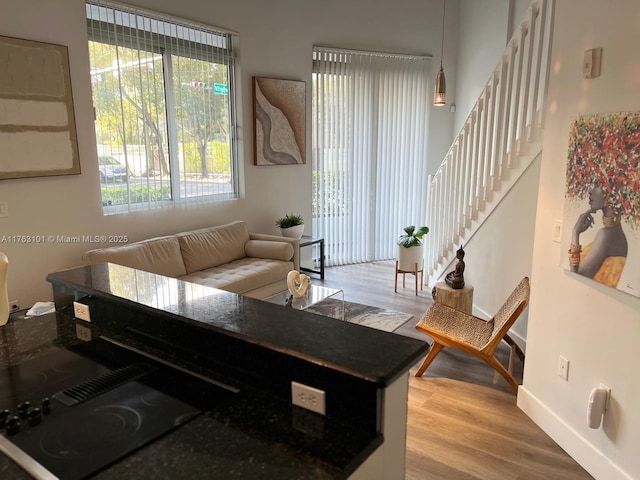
(414,272)
(460,299)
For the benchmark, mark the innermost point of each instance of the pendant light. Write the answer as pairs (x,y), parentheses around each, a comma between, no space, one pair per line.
(440,94)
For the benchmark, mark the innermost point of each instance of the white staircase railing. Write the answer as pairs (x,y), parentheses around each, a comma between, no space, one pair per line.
(500,138)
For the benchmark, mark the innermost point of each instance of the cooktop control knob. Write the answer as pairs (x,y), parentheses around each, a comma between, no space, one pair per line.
(34,417)
(13,425)
(4,415)
(23,409)
(46,406)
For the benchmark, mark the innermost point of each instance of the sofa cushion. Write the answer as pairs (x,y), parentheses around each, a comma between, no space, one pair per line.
(210,247)
(242,275)
(157,255)
(267,249)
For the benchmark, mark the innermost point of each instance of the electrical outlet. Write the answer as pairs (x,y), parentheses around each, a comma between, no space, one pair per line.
(563,368)
(308,397)
(83,332)
(13,306)
(81,311)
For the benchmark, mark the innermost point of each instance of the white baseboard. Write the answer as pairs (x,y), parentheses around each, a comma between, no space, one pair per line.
(583,452)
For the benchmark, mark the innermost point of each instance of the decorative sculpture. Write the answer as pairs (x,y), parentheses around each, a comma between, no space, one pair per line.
(298,283)
(455,279)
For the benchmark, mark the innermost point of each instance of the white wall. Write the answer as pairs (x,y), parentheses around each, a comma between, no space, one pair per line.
(484,30)
(499,254)
(517,11)
(275,40)
(482,39)
(596,327)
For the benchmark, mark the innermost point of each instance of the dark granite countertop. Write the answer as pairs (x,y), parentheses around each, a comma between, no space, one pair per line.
(368,354)
(254,346)
(250,434)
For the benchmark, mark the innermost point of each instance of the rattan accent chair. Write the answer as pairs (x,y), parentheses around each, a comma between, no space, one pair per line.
(452,328)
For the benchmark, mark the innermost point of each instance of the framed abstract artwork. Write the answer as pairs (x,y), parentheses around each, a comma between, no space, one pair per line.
(601,233)
(37,121)
(279,121)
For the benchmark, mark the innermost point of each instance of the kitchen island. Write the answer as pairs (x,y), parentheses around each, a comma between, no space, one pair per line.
(252,351)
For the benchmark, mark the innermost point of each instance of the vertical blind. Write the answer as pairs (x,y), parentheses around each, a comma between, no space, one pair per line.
(369,151)
(163,98)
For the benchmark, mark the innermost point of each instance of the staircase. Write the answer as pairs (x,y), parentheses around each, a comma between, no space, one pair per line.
(500,138)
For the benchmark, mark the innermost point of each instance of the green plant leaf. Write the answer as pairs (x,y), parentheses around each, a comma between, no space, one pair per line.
(412,237)
(289,220)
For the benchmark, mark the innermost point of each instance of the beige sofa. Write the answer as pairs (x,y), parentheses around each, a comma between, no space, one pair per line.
(228,257)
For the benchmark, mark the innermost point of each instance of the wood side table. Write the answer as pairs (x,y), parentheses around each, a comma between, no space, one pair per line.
(460,299)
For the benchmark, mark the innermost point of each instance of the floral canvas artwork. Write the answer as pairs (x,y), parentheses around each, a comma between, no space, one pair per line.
(601,234)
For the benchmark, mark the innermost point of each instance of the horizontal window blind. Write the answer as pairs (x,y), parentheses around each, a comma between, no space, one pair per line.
(163,95)
(369,131)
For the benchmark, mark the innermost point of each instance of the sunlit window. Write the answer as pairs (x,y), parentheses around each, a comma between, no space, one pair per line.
(164,109)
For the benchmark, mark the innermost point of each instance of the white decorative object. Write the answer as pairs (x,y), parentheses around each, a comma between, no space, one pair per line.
(4,299)
(298,283)
(293,232)
(409,257)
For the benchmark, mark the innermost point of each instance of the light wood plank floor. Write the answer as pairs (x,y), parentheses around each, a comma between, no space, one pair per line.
(463,420)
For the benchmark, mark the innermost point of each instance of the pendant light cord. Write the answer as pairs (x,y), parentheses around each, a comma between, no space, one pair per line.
(444,11)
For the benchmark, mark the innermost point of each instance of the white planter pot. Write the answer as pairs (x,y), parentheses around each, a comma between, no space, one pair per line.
(409,257)
(293,232)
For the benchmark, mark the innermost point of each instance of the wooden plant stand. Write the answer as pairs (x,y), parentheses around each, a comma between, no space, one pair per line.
(414,272)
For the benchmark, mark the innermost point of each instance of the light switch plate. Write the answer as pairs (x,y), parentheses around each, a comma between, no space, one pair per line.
(591,63)
(563,368)
(557,231)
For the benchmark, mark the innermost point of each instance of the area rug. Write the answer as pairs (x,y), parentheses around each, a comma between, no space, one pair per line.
(374,317)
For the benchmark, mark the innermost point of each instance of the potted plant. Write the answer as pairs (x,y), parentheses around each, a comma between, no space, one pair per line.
(291,225)
(410,248)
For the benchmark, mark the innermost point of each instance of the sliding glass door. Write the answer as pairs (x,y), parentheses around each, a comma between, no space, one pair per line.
(369,151)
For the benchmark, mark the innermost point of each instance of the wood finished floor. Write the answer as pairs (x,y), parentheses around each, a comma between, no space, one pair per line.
(463,422)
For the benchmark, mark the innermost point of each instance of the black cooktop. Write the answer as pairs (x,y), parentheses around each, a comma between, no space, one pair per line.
(69,415)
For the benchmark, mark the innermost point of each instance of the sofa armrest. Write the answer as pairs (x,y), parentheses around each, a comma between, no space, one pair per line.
(295,243)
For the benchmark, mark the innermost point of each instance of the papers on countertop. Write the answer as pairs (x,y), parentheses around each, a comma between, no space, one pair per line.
(40,308)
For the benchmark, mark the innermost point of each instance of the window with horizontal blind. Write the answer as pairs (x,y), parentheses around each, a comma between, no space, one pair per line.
(369,151)
(163,94)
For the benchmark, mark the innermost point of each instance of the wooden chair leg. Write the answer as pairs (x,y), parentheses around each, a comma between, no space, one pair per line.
(512,351)
(502,371)
(514,346)
(436,348)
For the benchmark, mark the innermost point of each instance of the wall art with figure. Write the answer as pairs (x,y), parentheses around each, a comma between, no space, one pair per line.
(601,225)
